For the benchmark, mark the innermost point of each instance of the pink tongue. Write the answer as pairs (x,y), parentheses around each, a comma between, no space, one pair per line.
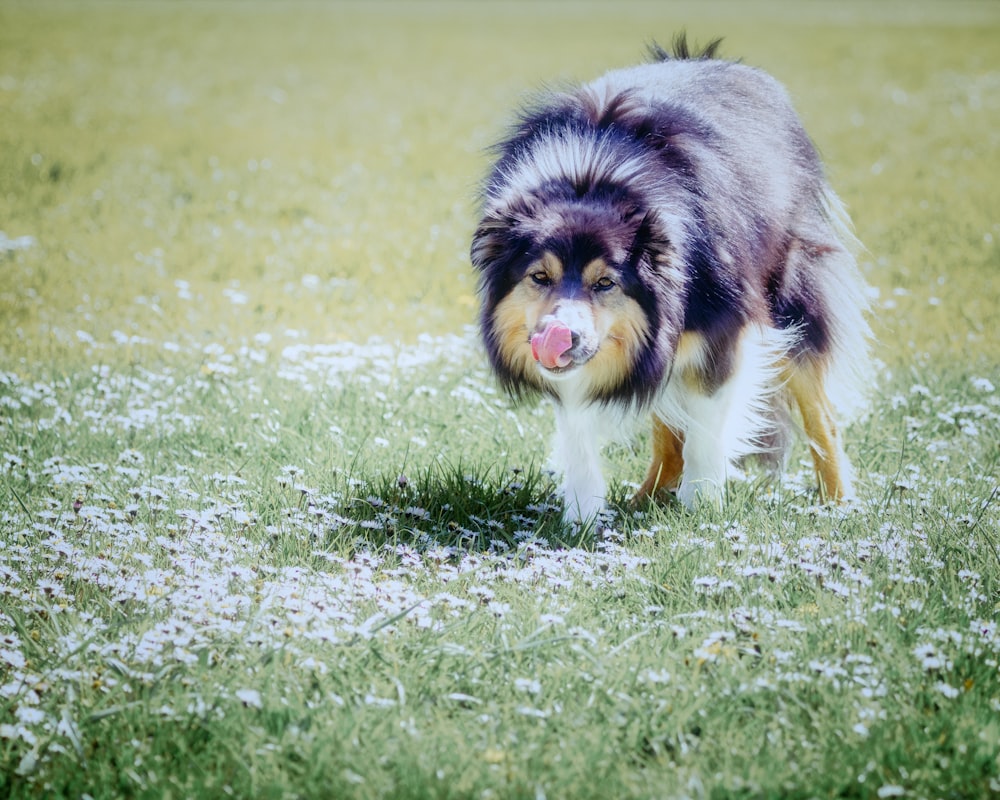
(551,346)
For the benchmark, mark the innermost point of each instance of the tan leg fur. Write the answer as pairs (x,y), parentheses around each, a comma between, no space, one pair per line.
(806,380)
(668,462)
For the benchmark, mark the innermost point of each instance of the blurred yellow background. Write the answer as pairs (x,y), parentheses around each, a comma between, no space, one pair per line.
(191,172)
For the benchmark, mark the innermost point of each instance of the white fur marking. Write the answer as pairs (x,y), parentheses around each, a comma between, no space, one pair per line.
(577,454)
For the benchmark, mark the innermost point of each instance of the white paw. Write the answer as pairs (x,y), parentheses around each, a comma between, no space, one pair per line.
(582,509)
(694,491)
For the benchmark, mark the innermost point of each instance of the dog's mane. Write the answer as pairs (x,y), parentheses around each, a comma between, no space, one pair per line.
(593,126)
(583,114)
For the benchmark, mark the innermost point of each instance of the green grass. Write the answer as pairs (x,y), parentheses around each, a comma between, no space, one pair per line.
(269,529)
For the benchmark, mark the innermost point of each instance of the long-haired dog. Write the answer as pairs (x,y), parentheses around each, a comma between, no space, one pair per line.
(663,240)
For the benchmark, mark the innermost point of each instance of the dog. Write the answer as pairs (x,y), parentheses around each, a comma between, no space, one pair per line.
(663,242)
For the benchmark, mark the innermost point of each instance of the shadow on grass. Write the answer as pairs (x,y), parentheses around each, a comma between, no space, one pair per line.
(470,508)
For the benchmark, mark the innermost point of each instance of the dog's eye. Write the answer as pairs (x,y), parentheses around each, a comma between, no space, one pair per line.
(541,278)
(604,284)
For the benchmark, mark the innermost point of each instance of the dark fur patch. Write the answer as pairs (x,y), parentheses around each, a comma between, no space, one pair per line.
(680,50)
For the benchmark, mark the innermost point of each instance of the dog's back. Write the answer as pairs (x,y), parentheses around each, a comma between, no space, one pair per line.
(761,186)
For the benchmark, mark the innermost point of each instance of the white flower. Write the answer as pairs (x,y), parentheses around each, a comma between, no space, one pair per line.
(8,731)
(250,698)
(498,610)
(29,715)
(712,647)
(13,657)
(484,593)
(947,690)
(891,790)
(929,658)
(654,676)
(27,764)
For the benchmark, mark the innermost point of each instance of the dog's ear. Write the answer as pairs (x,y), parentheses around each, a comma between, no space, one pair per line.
(489,242)
(501,233)
(650,245)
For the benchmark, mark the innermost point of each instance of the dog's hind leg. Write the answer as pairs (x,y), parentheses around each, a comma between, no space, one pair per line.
(806,380)
(668,462)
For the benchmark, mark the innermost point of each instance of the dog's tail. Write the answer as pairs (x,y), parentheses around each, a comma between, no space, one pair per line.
(850,370)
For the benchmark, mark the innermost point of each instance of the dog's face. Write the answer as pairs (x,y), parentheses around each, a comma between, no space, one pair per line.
(567,300)
(566,320)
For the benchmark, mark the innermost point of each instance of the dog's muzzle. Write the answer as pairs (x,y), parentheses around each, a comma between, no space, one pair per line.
(558,347)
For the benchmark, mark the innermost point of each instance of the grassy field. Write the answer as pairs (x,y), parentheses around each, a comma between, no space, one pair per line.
(269,530)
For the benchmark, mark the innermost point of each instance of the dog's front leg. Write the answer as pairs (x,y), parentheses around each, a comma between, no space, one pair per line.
(577,456)
(726,418)
(706,451)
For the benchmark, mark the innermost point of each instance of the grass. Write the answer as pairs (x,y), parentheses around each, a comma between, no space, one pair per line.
(267,526)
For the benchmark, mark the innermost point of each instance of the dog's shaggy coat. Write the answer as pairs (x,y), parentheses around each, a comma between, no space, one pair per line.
(663,240)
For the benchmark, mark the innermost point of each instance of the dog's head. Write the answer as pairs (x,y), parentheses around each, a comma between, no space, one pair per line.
(573,295)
